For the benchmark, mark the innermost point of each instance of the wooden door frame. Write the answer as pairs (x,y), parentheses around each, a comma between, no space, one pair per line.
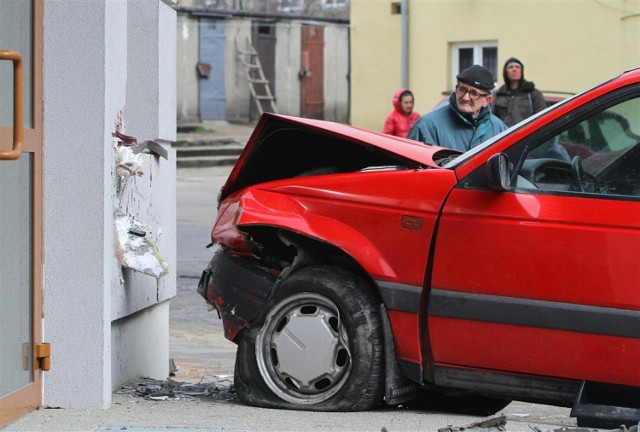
(29,397)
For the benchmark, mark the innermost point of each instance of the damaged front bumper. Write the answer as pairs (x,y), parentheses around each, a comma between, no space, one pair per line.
(237,288)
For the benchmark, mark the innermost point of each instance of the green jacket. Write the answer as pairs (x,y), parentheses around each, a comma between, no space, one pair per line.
(448,127)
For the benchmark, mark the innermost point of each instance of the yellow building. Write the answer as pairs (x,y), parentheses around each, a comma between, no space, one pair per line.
(565,45)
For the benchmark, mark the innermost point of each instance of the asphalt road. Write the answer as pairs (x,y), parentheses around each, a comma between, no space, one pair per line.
(201,398)
(197,344)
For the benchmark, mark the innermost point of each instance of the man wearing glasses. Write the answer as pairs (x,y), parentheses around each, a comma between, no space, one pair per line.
(467,120)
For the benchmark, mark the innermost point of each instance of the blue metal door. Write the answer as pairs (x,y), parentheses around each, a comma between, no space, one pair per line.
(212,98)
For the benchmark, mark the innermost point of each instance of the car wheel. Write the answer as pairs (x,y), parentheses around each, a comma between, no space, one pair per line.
(319,346)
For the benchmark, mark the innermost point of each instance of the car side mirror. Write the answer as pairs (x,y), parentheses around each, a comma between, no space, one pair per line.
(498,175)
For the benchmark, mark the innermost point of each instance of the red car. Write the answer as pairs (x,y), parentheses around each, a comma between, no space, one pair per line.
(354,268)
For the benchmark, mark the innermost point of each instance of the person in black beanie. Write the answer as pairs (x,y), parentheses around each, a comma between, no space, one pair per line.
(518,98)
(467,120)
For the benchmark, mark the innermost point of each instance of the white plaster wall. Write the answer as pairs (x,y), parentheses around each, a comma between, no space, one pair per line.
(237,95)
(101,58)
(141,339)
(77,173)
(336,73)
(288,46)
(167,75)
(187,58)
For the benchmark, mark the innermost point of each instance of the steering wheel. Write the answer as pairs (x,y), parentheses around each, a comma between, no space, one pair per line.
(578,171)
(584,181)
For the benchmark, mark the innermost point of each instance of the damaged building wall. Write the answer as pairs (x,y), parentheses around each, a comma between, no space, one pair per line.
(147,200)
(105,324)
(146,251)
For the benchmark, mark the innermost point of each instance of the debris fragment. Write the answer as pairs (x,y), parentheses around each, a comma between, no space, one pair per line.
(129,164)
(152,147)
(137,250)
(138,232)
(172,367)
(495,423)
(125,140)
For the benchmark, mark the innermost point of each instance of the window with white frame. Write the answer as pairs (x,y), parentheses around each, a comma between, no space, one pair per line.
(290,5)
(470,53)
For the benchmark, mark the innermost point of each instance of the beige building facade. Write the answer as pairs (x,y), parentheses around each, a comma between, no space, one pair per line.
(565,45)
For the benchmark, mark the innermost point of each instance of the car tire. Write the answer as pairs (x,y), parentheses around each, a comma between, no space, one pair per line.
(325,319)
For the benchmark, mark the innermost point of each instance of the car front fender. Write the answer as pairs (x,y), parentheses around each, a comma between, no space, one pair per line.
(385,227)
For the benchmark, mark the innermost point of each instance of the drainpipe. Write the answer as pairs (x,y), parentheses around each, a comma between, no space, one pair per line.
(404,61)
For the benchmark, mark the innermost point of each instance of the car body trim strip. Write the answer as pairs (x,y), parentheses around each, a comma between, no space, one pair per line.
(523,387)
(399,296)
(535,313)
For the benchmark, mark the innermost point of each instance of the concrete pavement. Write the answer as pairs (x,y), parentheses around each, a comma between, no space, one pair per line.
(213,143)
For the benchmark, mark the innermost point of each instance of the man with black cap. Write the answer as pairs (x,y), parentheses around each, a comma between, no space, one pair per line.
(467,120)
(518,98)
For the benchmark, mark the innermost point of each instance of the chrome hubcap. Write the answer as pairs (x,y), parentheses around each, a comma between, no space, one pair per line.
(302,349)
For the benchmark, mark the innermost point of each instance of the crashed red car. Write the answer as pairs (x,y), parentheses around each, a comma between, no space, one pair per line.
(353,268)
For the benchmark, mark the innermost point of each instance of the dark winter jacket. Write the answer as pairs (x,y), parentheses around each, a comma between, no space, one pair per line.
(513,106)
(398,122)
(448,127)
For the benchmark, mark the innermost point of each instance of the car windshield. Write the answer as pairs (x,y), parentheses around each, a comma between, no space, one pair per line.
(469,154)
(599,154)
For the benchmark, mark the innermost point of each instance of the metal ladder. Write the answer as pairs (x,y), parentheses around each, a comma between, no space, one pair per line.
(258,84)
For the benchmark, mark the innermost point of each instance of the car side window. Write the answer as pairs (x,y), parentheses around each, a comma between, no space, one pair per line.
(599,154)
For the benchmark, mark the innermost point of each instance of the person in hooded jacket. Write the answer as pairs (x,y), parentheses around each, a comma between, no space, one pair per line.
(466,120)
(518,98)
(402,117)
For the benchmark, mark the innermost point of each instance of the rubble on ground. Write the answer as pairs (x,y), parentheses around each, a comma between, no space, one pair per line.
(219,389)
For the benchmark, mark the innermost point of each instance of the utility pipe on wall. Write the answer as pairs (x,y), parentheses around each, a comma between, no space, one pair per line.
(404,61)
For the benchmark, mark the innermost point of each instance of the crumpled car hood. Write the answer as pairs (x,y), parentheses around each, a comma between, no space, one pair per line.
(282,147)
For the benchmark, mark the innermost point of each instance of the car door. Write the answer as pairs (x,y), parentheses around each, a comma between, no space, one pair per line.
(543,279)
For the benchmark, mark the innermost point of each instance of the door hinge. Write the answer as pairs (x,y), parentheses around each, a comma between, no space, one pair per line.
(43,356)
